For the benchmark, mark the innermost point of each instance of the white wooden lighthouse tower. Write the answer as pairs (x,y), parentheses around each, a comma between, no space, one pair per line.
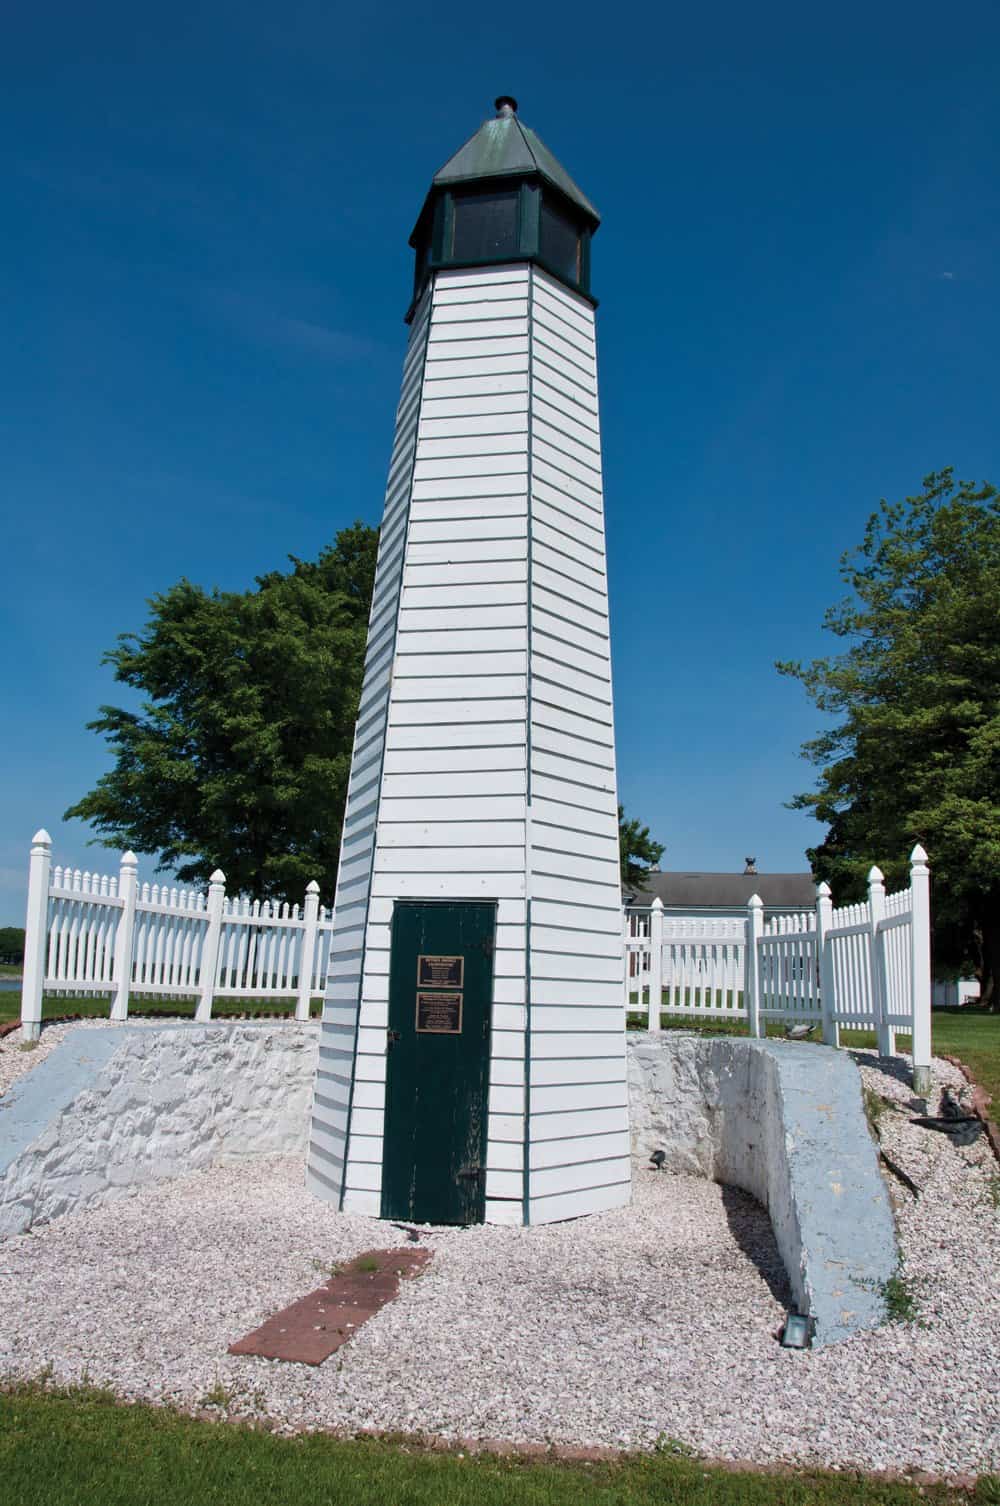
(472,1054)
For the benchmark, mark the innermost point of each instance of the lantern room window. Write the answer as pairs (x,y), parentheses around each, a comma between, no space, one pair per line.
(559,242)
(508,220)
(485,226)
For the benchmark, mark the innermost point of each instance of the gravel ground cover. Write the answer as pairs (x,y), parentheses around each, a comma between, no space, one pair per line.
(655,1322)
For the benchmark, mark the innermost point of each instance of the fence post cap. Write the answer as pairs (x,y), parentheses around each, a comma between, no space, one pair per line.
(41,838)
(217,877)
(312,887)
(657,904)
(875,876)
(129,859)
(823,890)
(755,902)
(918,855)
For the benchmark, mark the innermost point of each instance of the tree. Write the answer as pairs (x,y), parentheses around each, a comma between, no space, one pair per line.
(240,755)
(637,851)
(11,943)
(914,752)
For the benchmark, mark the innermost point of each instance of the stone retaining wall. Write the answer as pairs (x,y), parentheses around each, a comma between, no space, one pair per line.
(784,1121)
(126,1105)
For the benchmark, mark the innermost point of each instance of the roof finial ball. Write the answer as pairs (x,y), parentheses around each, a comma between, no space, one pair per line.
(506,106)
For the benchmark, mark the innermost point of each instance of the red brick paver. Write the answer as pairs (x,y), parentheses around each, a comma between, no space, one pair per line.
(310,1330)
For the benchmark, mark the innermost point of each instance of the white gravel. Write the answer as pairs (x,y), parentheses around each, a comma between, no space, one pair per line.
(655,1320)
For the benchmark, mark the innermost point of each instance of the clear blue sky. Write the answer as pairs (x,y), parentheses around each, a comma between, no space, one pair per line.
(204,268)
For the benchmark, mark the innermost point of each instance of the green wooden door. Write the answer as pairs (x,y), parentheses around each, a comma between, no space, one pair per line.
(437,1070)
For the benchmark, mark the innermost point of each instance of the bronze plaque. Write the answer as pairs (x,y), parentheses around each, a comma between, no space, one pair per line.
(439,1014)
(440,972)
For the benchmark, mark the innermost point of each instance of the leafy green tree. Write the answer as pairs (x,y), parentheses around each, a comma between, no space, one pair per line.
(637,851)
(913,752)
(11,943)
(240,754)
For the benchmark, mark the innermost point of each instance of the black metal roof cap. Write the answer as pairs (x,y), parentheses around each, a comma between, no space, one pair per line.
(503,147)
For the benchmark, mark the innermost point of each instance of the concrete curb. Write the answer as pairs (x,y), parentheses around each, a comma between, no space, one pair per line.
(785,1122)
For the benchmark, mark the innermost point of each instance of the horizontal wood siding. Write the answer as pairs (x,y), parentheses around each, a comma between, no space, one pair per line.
(339,1030)
(488,684)
(451,813)
(578,1152)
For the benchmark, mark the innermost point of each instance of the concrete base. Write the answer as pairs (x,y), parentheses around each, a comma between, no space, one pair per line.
(784,1121)
(922,1081)
(116,1108)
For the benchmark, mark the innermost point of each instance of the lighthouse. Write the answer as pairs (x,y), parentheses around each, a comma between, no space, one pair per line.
(472,1045)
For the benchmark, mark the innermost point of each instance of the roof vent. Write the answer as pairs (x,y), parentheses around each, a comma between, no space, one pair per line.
(506,105)
(751,865)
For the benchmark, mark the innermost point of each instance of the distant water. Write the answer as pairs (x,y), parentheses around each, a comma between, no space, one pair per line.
(8,985)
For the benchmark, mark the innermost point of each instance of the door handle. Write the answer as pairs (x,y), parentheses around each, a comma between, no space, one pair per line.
(470,1173)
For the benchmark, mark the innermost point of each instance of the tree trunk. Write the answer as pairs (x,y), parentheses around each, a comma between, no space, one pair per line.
(989,980)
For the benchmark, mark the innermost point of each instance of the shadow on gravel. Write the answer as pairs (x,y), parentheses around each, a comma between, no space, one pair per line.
(751,1228)
(892,1066)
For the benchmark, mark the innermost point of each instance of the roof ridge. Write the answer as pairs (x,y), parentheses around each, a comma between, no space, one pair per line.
(528,146)
(484,156)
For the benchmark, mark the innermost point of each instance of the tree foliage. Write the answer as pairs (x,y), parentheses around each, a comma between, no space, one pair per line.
(637,850)
(913,752)
(12,943)
(240,753)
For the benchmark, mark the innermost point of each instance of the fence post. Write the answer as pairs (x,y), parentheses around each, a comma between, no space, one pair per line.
(751,962)
(824,960)
(307,954)
(128,885)
(876,961)
(36,935)
(626,928)
(920,970)
(209,967)
(655,964)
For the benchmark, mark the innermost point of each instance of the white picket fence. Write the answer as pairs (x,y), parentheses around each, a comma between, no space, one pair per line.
(865,966)
(91,933)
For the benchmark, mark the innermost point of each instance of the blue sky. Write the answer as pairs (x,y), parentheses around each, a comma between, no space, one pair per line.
(204,268)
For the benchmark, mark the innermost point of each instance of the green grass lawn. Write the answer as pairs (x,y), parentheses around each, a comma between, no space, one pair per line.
(969,1033)
(80,1449)
(10,969)
(54,1005)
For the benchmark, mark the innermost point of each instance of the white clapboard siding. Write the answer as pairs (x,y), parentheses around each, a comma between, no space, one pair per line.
(327,1156)
(583,1097)
(549,668)
(456,694)
(594,1199)
(443,735)
(463,637)
(484,760)
(573,990)
(560,791)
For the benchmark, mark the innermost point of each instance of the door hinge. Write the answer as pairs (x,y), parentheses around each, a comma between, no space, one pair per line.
(487,946)
(391,1037)
(470,1173)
